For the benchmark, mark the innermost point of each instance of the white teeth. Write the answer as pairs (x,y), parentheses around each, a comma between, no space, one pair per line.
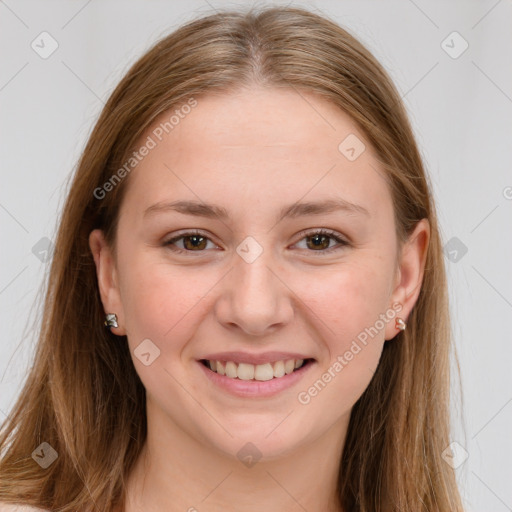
(278,369)
(245,371)
(231,370)
(221,369)
(289,366)
(263,372)
(260,372)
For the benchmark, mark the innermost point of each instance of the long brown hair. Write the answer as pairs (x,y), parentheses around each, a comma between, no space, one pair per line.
(83,396)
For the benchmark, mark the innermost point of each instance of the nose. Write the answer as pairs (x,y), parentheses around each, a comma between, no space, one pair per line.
(254,297)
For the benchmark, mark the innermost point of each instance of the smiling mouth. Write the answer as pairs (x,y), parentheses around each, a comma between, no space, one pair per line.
(257,372)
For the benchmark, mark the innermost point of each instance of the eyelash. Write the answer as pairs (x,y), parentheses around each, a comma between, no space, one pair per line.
(326,232)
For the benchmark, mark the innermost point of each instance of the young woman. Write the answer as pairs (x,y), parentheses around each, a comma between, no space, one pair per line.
(247,308)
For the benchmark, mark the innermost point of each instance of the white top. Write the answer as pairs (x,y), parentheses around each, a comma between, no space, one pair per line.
(8,507)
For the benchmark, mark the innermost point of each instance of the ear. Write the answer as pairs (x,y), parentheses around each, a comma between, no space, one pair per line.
(410,273)
(106,273)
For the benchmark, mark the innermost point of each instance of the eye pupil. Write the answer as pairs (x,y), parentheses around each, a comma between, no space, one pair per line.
(316,238)
(196,239)
(316,242)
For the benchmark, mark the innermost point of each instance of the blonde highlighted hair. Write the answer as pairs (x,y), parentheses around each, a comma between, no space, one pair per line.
(83,396)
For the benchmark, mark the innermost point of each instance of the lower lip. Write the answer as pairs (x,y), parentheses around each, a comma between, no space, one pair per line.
(256,388)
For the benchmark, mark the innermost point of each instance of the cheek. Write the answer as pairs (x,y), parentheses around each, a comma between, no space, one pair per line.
(157,296)
(351,305)
(164,304)
(348,300)
(160,300)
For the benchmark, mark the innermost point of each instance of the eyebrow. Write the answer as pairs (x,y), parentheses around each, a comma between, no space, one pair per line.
(201,209)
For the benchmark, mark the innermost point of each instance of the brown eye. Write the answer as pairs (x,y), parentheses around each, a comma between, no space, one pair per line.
(318,241)
(188,242)
(195,242)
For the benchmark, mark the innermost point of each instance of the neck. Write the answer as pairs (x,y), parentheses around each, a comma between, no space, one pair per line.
(176,472)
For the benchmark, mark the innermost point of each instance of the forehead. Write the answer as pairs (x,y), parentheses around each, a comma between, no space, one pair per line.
(280,121)
(262,145)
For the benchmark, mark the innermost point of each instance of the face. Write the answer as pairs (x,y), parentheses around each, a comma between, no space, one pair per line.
(251,275)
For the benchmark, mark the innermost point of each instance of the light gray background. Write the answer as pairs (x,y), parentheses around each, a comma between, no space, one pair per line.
(461,111)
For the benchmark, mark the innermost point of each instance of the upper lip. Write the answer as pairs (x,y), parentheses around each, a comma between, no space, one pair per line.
(246,357)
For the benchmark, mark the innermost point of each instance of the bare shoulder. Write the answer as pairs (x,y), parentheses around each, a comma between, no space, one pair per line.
(9,507)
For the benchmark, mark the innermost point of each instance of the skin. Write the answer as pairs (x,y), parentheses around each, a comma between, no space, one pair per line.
(252,152)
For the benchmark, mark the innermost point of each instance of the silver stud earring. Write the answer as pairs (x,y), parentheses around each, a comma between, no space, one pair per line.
(111,320)
(400,324)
